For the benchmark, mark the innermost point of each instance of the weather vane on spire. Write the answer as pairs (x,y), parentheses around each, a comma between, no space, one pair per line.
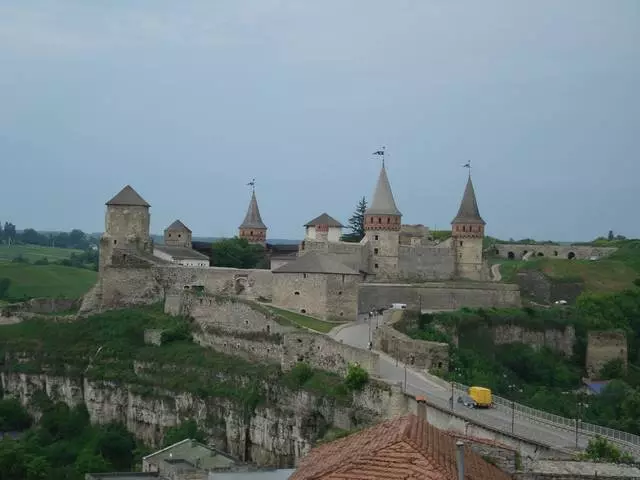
(468,166)
(252,184)
(380,152)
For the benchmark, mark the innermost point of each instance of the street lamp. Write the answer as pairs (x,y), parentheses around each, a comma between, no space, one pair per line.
(580,406)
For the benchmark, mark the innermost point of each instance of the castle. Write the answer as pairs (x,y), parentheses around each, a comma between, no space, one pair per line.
(327,277)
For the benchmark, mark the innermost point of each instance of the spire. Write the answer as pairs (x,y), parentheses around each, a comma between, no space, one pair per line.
(252,219)
(468,212)
(383,202)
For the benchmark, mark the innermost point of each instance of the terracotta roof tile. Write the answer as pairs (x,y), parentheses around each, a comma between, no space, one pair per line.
(406,448)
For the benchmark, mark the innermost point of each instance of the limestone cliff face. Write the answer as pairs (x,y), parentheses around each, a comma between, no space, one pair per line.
(277,433)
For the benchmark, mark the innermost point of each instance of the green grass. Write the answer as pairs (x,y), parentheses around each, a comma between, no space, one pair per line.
(610,274)
(47,281)
(303,320)
(38,345)
(34,252)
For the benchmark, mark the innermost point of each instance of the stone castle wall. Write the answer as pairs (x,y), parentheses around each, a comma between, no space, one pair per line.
(602,347)
(558,340)
(581,252)
(426,263)
(420,353)
(542,289)
(353,255)
(438,295)
(301,292)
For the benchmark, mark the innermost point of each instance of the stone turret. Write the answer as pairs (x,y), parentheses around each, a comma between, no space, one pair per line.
(126,225)
(253,228)
(467,230)
(177,235)
(382,222)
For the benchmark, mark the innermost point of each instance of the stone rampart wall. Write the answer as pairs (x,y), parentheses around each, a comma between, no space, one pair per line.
(326,353)
(420,353)
(438,295)
(422,262)
(43,305)
(561,341)
(602,347)
(554,251)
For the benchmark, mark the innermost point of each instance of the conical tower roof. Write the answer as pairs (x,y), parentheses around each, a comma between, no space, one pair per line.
(252,219)
(468,211)
(178,225)
(129,197)
(383,202)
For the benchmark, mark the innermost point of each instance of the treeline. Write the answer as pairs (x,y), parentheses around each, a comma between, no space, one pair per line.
(88,259)
(63,444)
(74,239)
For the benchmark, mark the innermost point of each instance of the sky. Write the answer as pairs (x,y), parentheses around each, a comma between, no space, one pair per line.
(188,101)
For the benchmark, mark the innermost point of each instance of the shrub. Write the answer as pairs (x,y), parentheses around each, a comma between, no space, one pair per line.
(5,283)
(42,261)
(357,377)
(300,374)
(176,334)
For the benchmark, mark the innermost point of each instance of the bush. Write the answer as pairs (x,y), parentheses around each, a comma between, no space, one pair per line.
(20,259)
(178,333)
(42,261)
(357,377)
(602,450)
(13,417)
(300,374)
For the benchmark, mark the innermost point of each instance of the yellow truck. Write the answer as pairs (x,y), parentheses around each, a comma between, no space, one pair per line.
(482,396)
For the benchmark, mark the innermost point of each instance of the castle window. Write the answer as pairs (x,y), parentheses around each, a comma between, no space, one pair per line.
(339,292)
(296,293)
(304,275)
(375,266)
(464,229)
(388,219)
(251,232)
(302,310)
(115,242)
(375,237)
(555,253)
(169,235)
(342,278)
(268,331)
(179,235)
(460,243)
(375,251)
(341,314)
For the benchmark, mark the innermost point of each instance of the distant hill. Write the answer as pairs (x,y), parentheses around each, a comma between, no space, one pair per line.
(614,273)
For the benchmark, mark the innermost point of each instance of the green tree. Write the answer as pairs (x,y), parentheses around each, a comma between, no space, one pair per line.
(13,417)
(116,445)
(356,223)
(357,377)
(188,429)
(610,236)
(237,253)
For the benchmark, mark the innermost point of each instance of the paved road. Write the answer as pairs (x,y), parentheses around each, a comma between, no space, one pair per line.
(358,334)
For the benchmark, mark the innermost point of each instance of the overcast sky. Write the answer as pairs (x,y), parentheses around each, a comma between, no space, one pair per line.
(188,101)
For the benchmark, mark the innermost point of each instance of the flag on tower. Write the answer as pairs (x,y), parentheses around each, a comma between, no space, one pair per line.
(379,152)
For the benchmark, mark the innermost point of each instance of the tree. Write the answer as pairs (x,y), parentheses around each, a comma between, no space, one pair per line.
(188,429)
(610,236)
(9,233)
(356,223)
(237,253)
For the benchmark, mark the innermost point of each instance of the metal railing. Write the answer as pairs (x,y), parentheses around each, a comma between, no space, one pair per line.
(582,428)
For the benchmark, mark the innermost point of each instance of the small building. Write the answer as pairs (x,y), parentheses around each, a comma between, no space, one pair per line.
(323,228)
(178,248)
(318,285)
(187,456)
(593,387)
(405,448)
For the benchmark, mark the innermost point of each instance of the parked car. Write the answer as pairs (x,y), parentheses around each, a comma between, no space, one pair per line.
(467,401)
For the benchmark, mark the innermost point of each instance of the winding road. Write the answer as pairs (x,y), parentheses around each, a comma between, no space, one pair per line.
(359,333)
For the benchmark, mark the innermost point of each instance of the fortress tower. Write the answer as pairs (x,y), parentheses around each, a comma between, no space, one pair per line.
(382,229)
(253,228)
(177,235)
(467,231)
(126,225)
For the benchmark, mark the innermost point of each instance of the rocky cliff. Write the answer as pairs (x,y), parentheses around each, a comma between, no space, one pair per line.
(277,431)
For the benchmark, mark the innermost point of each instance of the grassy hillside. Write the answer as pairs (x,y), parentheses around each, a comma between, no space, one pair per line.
(35,252)
(47,280)
(610,274)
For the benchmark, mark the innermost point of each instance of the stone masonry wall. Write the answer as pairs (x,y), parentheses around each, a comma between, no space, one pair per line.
(426,262)
(583,252)
(353,255)
(342,297)
(561,341)
(301,292)
(421,353)
(438,296)
(602,347)
(323,352)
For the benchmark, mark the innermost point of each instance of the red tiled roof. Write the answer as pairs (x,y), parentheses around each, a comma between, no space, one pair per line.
(406,448)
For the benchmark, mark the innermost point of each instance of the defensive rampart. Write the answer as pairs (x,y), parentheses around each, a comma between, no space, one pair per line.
(437,295)
(517,251)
